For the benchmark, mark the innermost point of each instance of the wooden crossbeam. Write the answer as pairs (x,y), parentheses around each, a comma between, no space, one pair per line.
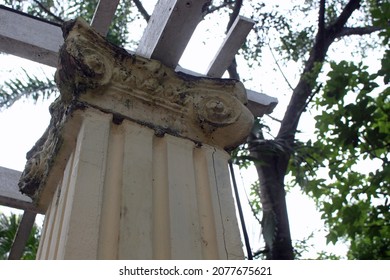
(29,37)
(103,15)
(39,40)
(169,30)
(10,195)
(20,240)
(230,46)
(259,103)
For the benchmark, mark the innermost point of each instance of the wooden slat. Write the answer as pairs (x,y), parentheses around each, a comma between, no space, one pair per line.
(260,103)
(10,195)
(24,230)
(29,37)
(169,30)
(230,46)
(103,16)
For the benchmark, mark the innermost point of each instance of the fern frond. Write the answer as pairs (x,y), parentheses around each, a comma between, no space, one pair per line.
(29,86)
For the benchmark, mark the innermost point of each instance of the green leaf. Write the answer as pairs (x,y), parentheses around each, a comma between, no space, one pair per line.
(331,237)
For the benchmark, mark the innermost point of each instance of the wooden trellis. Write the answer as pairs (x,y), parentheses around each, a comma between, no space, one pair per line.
(165,38)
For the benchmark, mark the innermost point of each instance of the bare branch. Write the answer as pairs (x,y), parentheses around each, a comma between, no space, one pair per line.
(142,10)
(280,69)
(47,11)
(366,30)
(234,14)
(232,70)
(273,118)
(337,26)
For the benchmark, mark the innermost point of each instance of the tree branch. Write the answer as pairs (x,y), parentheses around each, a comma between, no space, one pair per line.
(234,14)
(142,10)
(321,25)
(321,17)
(280,69)
(273,118)
(303,91)
(47,11)
(366,30)
(340,22)
(213,9)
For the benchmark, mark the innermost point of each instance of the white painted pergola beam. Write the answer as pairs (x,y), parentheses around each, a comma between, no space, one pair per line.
(169,30)
(29,37)
(21,237)
(230,46)
(10,195)
(103,16)
(259,103)
(39,40)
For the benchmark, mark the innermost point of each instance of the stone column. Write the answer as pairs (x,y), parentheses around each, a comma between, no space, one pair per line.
(133,164)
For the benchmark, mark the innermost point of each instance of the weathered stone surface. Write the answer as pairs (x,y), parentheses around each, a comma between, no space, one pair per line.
(93,73)
(104,76)
(52,148)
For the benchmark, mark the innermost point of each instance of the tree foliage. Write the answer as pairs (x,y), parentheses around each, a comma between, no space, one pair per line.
(352,148)
(351,126)
(29,86)
(352,130)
